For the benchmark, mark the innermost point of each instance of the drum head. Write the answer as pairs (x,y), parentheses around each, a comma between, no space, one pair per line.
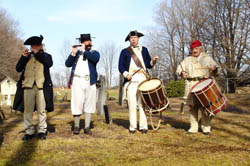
(149,85)
(201,85)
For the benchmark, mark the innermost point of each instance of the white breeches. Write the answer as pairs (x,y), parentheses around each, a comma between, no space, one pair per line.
(83,96)
(134,100)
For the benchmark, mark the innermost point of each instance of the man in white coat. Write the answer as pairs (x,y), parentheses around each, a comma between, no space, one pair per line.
(133,64)
(193,69)
(83,81)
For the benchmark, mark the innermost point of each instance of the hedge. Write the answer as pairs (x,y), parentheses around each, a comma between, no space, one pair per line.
(176,88)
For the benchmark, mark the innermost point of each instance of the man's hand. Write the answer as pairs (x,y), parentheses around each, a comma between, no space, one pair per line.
(74,50)
(184,74)
(129,77)
(154,60)
(83,48)
(25,52)
(212,68)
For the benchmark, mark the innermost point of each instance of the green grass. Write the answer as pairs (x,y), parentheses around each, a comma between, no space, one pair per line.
(112,145)
(113,93)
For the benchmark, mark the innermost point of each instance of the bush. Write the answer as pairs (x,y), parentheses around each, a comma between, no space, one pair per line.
(176,88)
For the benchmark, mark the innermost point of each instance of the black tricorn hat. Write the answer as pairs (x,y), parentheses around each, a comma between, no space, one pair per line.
(34,40)
(84,37)
(133,33)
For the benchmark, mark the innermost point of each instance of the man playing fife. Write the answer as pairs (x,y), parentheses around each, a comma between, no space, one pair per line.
(129,66)
(83,81)
(36,87)
(193,69)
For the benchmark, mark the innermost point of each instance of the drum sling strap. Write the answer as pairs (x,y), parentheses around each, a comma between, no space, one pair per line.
(135,58)
(137,62)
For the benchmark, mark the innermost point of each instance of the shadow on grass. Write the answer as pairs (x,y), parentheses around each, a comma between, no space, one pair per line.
(82,124)
(23,154)
(1,139)
(234,109)
(233,123)
(121,122)
(8,127)
(51,127)
(235,133)
(247,138)
(175,123)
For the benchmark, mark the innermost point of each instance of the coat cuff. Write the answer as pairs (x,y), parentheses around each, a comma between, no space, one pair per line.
(125,74)
(151,63)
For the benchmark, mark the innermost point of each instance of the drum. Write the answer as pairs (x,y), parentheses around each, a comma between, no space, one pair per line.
(209,95)
(153,95)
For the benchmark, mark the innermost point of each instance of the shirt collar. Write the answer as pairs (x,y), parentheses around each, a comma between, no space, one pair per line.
(137,47)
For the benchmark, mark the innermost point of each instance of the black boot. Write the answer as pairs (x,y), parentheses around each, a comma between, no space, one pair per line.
(27,137)
(76,130)
(87,131)
(144,131)
(131,131)
(42,136)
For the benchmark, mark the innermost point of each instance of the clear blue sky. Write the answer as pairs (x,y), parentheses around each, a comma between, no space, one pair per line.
(58,20)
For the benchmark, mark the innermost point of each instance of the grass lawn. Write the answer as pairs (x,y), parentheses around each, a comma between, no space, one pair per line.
(112,145)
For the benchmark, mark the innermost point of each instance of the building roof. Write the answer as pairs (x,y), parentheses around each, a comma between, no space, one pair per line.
(12,75)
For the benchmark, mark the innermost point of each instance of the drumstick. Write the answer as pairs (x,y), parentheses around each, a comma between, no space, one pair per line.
(131,79)
(136,72)
(182,70)
(203,68)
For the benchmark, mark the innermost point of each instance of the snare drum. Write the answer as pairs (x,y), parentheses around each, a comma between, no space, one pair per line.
(209,95)
(153,95)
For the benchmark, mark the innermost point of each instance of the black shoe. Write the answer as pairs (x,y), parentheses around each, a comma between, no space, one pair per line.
(188,132)
(76,130)
(87,131)
(144,131)
(27,137)
(131,131)
(207,133)
(42,136)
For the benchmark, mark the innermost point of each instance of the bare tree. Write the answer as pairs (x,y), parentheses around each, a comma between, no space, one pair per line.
(65,51)
(58,79)
(176,28)
(10,44)
(221,25)
(61,73)
(230,20)
(108,61)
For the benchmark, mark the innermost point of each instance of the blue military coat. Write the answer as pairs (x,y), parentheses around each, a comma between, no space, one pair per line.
(93,58)
(125,58)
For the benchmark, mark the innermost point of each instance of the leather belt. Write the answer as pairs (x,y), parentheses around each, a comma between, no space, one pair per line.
(87,77)
(141,71)
(195,79)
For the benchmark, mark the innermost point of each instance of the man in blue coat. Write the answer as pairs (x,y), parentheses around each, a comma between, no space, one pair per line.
(133,64)
(83,81)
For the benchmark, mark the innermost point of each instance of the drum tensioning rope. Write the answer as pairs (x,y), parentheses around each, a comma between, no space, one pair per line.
(151,112)
(152,123)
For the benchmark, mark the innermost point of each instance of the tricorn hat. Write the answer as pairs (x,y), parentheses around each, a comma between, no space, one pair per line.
(133,33)
(84,37)
(34,40)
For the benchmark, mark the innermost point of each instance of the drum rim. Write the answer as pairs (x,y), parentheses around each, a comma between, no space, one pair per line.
(203,89)
(151,89)
(222,107)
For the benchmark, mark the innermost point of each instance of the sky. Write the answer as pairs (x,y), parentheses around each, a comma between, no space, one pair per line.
(58,20)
